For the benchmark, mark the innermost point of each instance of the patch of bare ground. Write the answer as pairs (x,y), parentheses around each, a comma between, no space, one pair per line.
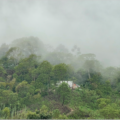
(63,109)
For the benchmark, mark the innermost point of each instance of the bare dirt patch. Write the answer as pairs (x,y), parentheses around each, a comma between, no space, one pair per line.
(63,109)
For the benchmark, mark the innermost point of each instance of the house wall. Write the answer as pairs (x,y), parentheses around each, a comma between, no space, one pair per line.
(70,84)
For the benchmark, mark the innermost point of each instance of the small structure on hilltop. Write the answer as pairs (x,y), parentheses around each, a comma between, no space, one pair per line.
(70,84)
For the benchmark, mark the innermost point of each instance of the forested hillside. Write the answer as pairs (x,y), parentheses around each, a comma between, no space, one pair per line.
(29,71)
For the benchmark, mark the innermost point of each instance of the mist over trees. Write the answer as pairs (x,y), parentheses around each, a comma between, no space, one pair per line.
(24,47)
(20,49)
(30,70)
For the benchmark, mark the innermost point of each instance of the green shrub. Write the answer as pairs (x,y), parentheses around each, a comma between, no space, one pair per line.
(80,113)
(110,113)
(33,115)
(6,112)
(56,113)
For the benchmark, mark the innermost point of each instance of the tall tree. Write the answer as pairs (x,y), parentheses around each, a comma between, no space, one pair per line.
(60,71)
(63,92)
(14,55)
(24,68)
(45,68)
(2,71)
(89,62)
(29,45)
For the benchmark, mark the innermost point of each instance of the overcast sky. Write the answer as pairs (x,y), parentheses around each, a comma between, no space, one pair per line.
(93,25)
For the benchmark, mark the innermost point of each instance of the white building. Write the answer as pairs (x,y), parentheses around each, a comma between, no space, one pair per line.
(70,84)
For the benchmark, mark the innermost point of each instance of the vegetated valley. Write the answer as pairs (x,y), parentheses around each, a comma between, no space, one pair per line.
(30,71)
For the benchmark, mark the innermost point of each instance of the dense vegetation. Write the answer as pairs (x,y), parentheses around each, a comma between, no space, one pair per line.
(29,71)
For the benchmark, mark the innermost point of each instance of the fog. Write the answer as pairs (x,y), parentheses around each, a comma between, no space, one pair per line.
(93,25)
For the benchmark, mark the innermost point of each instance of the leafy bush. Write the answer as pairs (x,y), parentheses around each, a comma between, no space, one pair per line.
(6,112)
(80,113)
(109,112)
(56,113)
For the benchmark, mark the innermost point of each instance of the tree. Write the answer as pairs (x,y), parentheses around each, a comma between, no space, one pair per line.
(32,115)
(12,83)
(63,92)
(70,71)
(24,68)
(29,45)
(13,97)
(14,55)
(102,102)
(60,71)
(34,74)
(6,112)
(8,97)
(90,64)
(45,68)
(110,112)
(89,97)
(2,71)
(40,114)
(80,113)
(56,113)
(22,89)
(59,57)
(5,62)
